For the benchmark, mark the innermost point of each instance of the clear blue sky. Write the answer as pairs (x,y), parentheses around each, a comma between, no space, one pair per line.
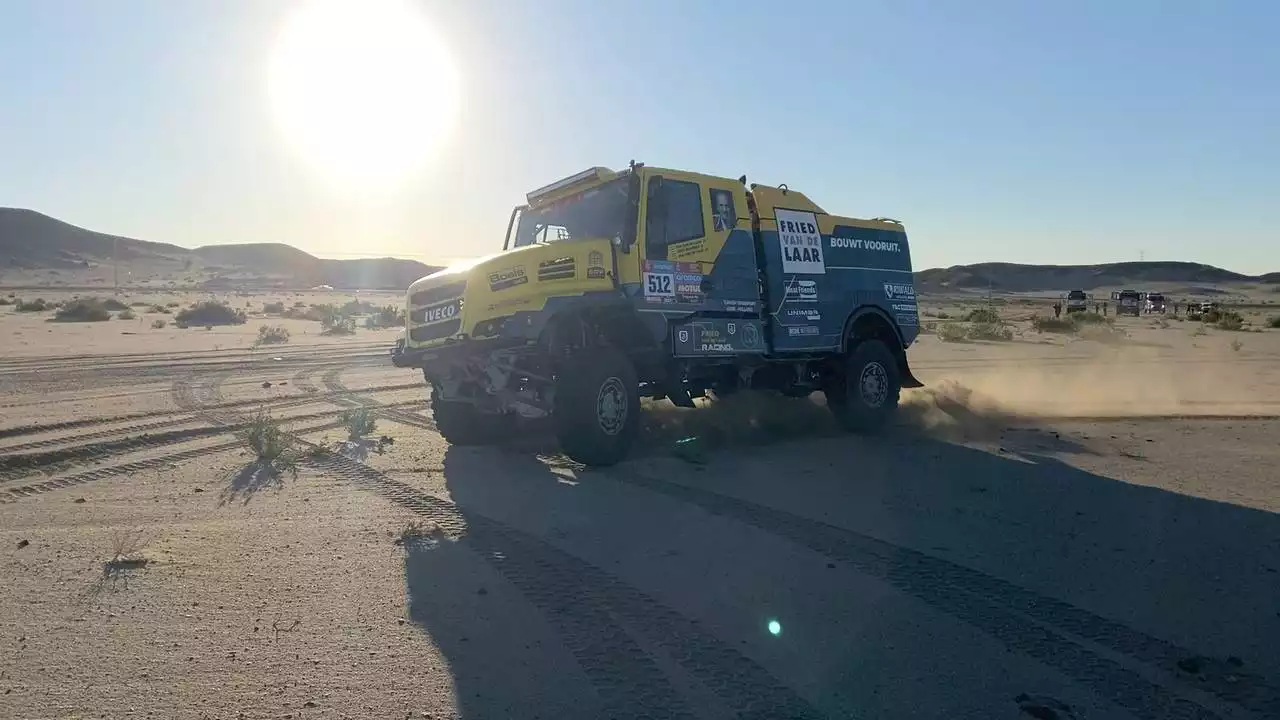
(1042,132)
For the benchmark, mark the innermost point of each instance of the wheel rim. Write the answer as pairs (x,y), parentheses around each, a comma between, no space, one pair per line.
(873,384)
(611,406)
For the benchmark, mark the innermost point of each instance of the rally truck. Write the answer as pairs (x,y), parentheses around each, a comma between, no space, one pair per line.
(1128,302)
(1155,303)
(647,282)
(1077,301)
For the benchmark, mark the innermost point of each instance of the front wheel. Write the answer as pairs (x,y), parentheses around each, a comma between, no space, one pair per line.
(864,393)
(597,407)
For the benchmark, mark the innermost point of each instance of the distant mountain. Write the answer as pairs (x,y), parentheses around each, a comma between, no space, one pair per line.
(32,241)
(1010,277)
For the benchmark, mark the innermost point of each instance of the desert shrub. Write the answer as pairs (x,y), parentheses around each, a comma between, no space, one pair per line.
(83,310)
(1105,333)
(386,317)
(158,324)
(952,332)
(1053,325)
(358,421)
(1087,318)
(273,308)
(943,315)
(1229,320)
(211,312)
(274,449)
(337,325)
(983,315)
(140,303)
(299,304)
(990,331)
(172,304)
(272,335)
(356,307)
(114,304)
(1273,321)
(158,309)
(1197,317)
(317,313)
(1236,345)
(5,301)
(127,314)
(37,305)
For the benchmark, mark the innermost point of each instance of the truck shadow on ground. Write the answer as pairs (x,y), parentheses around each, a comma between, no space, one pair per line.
(1138,557)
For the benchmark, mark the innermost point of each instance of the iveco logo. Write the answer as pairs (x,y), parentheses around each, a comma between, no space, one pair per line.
(440,312)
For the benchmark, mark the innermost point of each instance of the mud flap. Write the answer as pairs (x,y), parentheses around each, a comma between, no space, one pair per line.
(908,380)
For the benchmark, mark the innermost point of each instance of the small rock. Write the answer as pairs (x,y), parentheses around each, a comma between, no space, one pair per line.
(482,591)
(79,500)
(400,621)
(23,543)
(831,566)
(308,704)
(1234,661)
(1044,708)
(1192,664)
(266,384)
(199,489)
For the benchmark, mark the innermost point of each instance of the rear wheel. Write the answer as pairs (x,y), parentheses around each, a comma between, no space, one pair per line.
(864,392)
(597,406)
(460,423)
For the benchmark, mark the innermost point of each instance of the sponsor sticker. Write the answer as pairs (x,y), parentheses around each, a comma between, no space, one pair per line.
(800,241)
(795,330)
(595,265)
(508,278)
(899,291)
(810,314)
(864,244)
(802,291)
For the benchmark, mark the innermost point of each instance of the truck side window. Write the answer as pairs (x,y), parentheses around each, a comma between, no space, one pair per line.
(682,221)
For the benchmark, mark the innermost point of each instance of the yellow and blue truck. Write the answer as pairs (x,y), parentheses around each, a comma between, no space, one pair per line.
(659,283)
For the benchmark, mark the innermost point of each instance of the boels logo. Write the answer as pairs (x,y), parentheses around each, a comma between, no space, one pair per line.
(440,313)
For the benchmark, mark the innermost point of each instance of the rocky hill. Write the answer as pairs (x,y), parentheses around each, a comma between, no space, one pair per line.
(45,246)
(1010,277)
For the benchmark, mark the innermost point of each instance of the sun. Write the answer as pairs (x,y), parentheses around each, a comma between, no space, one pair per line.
(362,90)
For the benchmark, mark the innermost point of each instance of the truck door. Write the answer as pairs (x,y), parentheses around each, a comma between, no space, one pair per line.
(698,254)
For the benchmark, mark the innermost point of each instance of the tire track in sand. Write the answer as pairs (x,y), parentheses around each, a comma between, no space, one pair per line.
(1013,615)
(585,604)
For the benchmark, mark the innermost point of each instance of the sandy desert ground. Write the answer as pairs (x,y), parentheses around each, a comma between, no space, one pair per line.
(1056,527)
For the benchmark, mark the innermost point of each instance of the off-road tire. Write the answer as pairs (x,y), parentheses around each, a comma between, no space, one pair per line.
(597,406)
(459,423)
(863,394)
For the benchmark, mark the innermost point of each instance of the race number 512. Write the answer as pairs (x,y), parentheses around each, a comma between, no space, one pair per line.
(658,285)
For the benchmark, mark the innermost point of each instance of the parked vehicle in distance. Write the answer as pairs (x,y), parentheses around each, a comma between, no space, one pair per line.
(1077,301)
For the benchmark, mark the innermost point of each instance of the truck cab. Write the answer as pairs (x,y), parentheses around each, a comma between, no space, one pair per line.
(664,284)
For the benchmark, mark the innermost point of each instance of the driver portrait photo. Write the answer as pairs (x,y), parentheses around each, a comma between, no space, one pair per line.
(723,216)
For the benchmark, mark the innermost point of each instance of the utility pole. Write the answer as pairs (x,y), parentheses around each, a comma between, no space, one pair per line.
(115,262)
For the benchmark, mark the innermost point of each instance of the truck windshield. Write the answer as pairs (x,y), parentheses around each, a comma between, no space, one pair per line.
(1075,295)
(596,213)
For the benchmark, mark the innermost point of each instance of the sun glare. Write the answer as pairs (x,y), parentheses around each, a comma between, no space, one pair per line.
(363,90)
